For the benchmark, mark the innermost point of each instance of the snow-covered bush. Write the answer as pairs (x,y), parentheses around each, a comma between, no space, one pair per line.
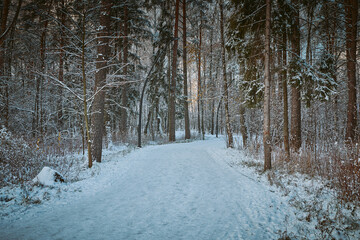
(48,177)
(346,169)
(19,162)
(323,186)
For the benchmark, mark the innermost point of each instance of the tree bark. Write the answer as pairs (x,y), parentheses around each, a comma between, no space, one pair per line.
(148,121)
(199,88)
(225,84)
(13,22)
(186,98)
(159,55)
(5,74)
(295,89)
(4,17)
(309,34)
(86,118)
(212,84)
(61,64)
(243,128)
(97,120)
(202,101)
(39,118)
(168,75)
(217,116)
(351,15)
(124,89)
(283,75)
(173,77)
(267,136)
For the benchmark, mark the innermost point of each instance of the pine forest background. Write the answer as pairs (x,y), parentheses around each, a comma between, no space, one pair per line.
(76,76)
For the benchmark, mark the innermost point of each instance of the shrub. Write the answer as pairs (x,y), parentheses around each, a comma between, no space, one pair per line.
(19,161)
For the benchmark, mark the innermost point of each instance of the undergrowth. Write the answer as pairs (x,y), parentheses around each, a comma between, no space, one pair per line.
(22,159)
(322,182)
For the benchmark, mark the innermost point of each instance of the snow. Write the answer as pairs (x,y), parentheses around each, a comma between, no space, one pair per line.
(174,191)
(47,177)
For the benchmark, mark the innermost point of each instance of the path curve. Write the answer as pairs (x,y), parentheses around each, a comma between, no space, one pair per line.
(173,191)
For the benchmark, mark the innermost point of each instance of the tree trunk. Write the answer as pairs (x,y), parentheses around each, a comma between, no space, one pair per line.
(120,52)
(243,129)
(332,29)
(199,88)
(86,119)
(5,7)
(226,94)
(351,15)
(309,34)
(61,65)
(267,136)
(217,117)
(283,75)
(186,99)
(295,89)
(148,121)
(4,16)
(157,116)
(169,92)
(124,96)
(173,77)
(202,101)
(39,83)
(97,120)
(212,85)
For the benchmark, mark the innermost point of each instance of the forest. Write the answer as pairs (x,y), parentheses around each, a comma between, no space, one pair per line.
(180,119)
(276,77)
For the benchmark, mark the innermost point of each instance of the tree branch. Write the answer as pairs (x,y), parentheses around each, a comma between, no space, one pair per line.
(2,37)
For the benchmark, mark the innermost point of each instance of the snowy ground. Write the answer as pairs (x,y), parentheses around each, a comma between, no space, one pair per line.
(173,191)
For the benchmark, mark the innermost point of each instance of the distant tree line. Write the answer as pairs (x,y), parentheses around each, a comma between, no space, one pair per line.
(283,71)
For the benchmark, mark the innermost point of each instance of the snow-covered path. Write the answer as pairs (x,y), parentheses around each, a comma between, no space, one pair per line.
(174,191)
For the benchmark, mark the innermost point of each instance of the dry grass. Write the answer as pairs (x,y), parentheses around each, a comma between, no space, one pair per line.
(332,203)
(339,165)
(21,160)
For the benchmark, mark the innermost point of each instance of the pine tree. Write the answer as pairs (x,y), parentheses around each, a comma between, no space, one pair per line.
(173,76)
(267,136)
(226,88)
(186,99)
(124,88)
(351,17)
(97,119)
(295,138)
(4,31)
